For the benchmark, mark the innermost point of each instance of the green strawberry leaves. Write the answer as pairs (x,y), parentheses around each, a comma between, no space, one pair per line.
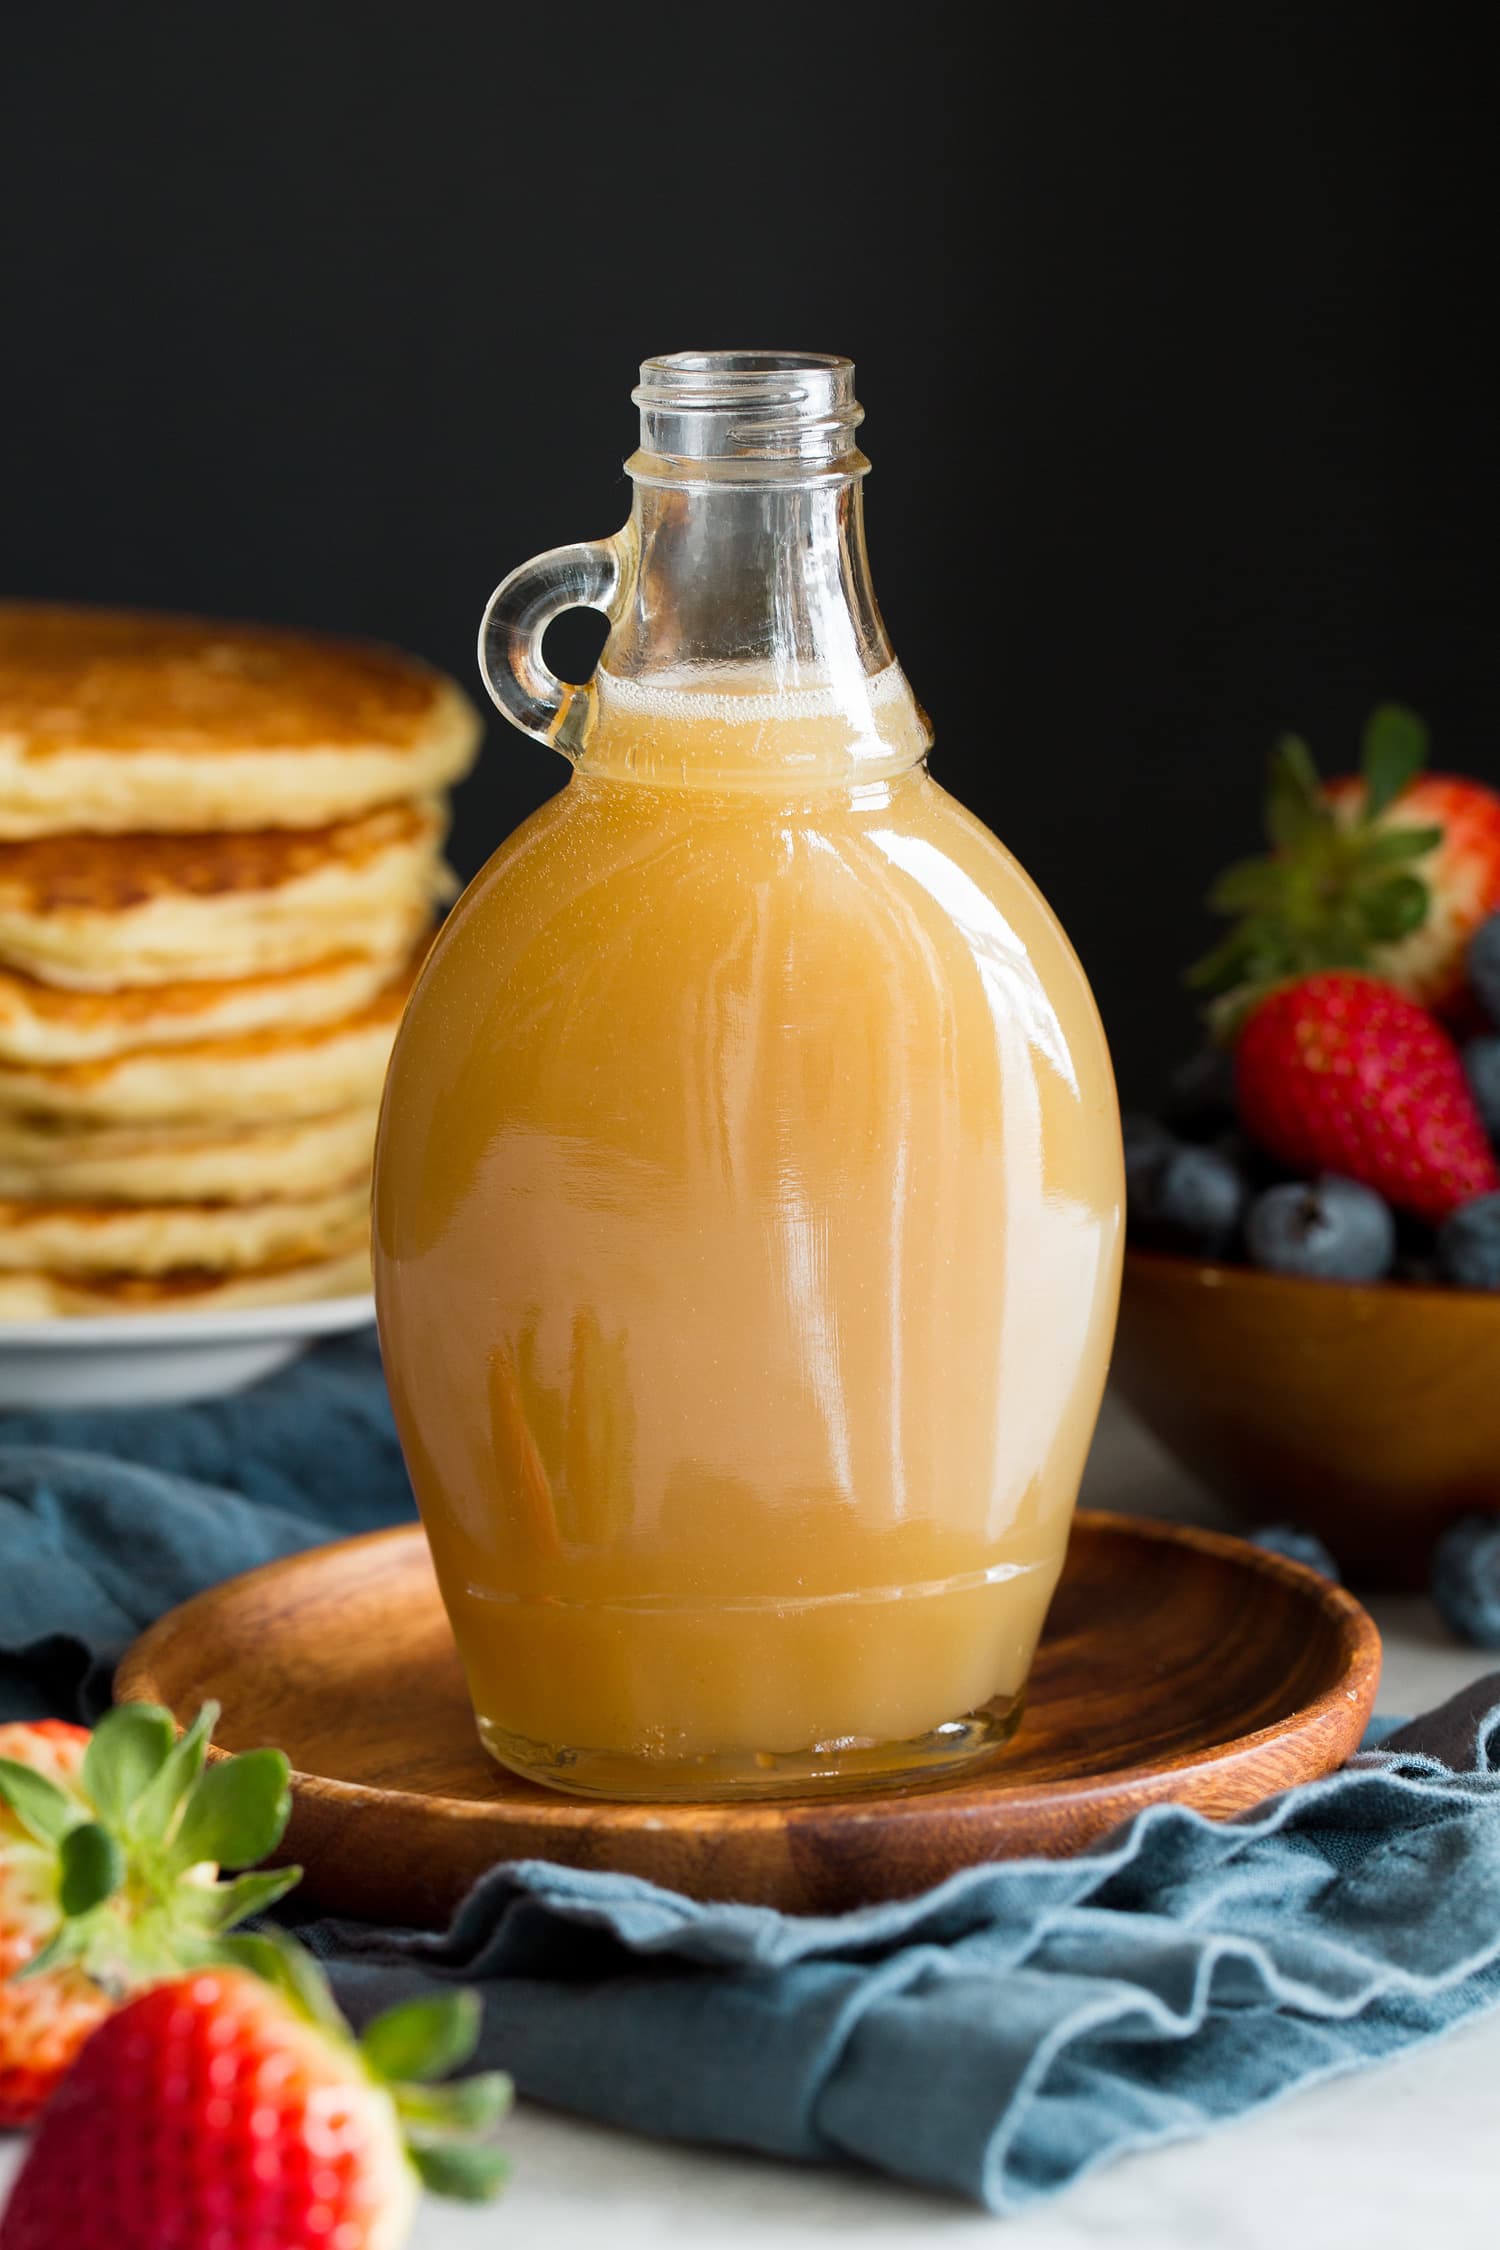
(219,1906)
(464,2175)
(1393,847)
(464,2105)
(237,1811)
(156,1806)
(411,2046)
(1295,809)
(1335,886)
(155,1790)
(1254,886)
(1393,753)
(1392,909)
(44,1811)
(91,1868)
(423,2040)
(126,1751)
(138,1840)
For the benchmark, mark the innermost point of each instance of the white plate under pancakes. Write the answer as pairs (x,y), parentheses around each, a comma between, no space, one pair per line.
(161,1358)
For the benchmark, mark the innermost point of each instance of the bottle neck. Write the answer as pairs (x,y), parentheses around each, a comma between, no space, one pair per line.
(770,575)
(746,642)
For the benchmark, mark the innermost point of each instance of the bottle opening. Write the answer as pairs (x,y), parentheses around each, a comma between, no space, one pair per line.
(747,407)
(738,370)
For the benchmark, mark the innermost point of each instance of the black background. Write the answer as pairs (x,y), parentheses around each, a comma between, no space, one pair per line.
(1171,324)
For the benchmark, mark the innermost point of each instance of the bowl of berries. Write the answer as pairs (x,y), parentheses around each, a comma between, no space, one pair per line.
(1311,1313)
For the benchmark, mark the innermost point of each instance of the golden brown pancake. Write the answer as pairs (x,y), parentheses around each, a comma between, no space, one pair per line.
(94,913)
(41,1296)
(78,1239)
(50,1023)
(224,1163)
(302,1072)
(114,720)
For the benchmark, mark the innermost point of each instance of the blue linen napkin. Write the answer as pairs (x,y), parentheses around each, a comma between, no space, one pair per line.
(109,1517)
(1023,2023)
(997,2038)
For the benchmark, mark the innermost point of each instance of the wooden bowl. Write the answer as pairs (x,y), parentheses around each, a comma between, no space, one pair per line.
(1369,1414)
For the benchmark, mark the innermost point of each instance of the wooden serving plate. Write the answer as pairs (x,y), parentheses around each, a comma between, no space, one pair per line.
(1176,1664)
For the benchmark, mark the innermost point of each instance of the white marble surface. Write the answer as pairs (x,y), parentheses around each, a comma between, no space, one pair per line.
(1403,2155)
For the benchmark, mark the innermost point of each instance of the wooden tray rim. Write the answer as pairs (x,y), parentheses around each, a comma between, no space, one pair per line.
(1350,1693)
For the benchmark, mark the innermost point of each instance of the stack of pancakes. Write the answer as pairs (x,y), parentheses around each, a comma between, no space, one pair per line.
(220,857)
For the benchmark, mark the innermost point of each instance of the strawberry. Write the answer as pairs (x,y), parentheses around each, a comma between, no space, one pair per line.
(1461,871)
(1338,1072)
(1388,870)
(234,2111)
(45,2022)
(110,1847)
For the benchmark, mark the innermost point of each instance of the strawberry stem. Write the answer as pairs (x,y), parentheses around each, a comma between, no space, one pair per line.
(1336,885)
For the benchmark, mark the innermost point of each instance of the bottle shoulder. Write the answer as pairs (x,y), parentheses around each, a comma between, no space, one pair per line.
(612,885)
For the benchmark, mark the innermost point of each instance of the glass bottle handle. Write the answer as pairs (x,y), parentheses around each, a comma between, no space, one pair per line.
(517,615)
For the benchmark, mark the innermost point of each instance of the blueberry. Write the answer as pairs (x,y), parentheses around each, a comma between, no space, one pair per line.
(1329,1228)
(1297,1546)
(1200,1098)
(1484,966)
(1482,1068)
(1188,1199)
(1466,1579)
(1468,1244)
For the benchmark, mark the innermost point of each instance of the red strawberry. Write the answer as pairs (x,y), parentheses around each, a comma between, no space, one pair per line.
(1340,1073)
(226,2112)
(44,2021)
(1462,874)
(1387,870)
(109,1849)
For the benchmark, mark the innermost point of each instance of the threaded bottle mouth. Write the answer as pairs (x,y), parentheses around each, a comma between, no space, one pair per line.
(733,410)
